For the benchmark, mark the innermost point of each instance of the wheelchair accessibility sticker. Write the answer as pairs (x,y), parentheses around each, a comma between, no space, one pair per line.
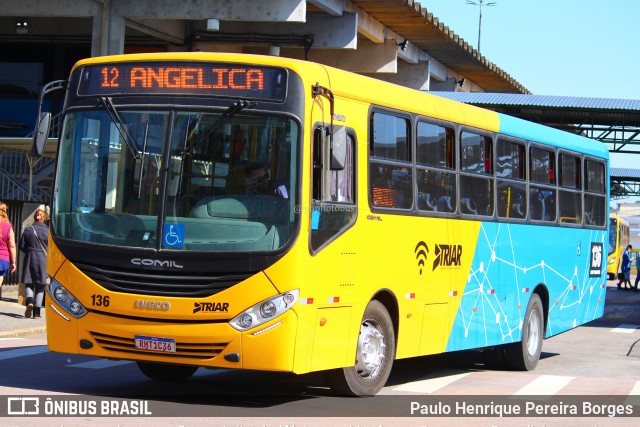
(173,236)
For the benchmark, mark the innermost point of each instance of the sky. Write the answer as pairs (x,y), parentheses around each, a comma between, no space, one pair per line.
(584,48)
(555,47)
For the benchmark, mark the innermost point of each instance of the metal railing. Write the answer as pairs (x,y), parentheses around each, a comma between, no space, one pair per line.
(14,178)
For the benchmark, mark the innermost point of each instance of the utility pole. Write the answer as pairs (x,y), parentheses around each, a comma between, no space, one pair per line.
(480,3)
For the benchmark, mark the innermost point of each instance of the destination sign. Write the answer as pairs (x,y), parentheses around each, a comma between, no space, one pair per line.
(182,78)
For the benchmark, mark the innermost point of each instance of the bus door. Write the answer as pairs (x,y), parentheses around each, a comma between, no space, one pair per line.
(335,256)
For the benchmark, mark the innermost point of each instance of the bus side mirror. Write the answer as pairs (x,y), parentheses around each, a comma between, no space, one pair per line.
(41,135)
(338,148)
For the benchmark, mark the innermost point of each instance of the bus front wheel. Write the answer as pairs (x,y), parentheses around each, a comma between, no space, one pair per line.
(374,355)
(166,372)
(524,355)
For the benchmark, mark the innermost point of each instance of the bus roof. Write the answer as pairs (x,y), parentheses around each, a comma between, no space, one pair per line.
(535,132)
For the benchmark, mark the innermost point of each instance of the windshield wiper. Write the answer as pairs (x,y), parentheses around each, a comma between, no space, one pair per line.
(233,109)
(129,140)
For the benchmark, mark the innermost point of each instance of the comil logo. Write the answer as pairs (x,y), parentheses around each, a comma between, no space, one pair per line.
(155,263)
(421,252)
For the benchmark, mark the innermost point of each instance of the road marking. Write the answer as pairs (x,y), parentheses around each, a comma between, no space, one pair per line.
(20,352)
(544,385)
(625,328)
(433,383)
(99,364)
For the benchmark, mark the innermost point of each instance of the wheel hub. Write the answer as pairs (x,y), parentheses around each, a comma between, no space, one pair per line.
(534,333)
(371,350)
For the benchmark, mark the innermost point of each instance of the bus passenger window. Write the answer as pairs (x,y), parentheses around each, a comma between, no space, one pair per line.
(476,178)
(476,195)
(542,204)
(436,191)
(595,194)
(436,182)
(542,195)
(511,191)
(390,181)
(569,196)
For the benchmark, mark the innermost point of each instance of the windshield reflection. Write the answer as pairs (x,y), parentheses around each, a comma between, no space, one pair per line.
(193,180)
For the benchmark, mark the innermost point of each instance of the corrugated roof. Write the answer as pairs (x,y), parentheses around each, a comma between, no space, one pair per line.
(556,111)
(626,173)
(409,19)
(548,101)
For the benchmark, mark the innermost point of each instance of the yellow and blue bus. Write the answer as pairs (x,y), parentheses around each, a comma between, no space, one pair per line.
(251,212)
(618,241)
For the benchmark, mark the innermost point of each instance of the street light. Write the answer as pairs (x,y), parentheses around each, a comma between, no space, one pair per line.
(481,4)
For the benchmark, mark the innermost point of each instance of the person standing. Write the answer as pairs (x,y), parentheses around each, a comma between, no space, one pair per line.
(626,269)
(635,288)
(34,244)
(7,245)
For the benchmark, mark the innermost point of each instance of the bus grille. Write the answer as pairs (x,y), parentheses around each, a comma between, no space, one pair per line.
(183,349)
(141,282)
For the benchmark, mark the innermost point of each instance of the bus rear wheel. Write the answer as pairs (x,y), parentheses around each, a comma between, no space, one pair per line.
(524,355)
(166,372)
(374,355)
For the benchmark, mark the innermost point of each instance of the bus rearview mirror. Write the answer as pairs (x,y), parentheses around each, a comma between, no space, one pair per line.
(41,135)
(338,148)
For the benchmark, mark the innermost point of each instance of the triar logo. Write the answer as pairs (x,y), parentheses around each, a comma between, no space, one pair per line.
(447,256)
(210,306)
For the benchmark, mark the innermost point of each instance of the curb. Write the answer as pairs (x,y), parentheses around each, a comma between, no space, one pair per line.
(23,332)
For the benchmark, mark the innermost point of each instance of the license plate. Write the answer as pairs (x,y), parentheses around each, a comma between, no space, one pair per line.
(164,345)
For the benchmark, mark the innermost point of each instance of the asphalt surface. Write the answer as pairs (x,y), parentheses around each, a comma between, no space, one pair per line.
(12,320)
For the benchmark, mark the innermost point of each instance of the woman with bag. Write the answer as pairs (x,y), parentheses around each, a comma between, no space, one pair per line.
(34,243)
(7,245)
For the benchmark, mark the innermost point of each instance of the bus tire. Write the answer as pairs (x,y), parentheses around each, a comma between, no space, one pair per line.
(374,355)
(524,355)
(166,372)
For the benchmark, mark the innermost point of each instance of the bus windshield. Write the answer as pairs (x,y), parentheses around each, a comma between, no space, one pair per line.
(179,180)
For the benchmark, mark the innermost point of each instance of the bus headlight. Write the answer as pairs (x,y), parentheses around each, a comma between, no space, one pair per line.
(265,311)
(612,260)
(66,300)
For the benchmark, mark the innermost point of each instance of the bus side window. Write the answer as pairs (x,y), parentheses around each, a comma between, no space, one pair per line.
(569,195)
(333,208)
(435,175)
(476,179)
(510,171)
(542,192)
(595,202)
(390,172)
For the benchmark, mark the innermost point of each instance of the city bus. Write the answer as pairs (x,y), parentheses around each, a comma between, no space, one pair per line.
(233,211)
(618,241)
